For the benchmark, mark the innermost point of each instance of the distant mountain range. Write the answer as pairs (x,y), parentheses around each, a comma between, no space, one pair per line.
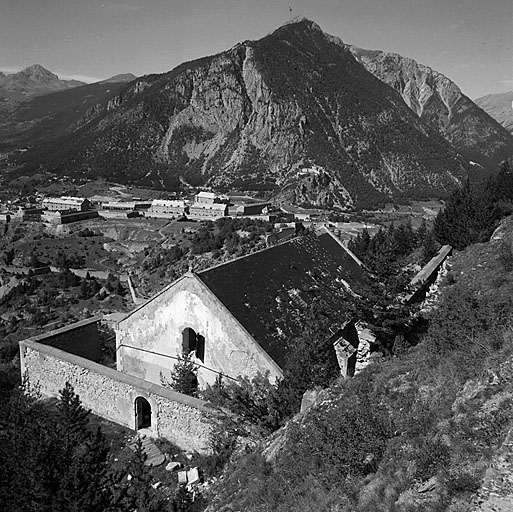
(32,81)
(297,115)
(500,107)
(441,105)
(40,106)
(36,80)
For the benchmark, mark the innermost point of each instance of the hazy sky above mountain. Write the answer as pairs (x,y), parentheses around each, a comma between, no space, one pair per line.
(469,41)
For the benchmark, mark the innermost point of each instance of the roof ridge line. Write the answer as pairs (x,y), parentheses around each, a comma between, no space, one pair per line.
(247,255)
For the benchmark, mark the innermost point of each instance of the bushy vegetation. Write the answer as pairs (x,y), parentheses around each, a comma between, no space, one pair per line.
(224,233)
(474,211)
(433,413)
(53,461)
(211,243)
(439,410)
(390,256)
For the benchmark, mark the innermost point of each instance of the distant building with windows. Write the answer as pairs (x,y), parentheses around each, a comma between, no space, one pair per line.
(253,209)
(67,217)
(126,206)
(207,211)
(28,214)
(167,208)
(205,198)
(65,203)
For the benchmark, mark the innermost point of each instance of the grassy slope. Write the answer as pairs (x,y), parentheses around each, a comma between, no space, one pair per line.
(415,432)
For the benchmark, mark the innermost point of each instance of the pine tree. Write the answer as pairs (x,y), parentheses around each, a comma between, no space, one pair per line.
(184,376)
(79,458)
(135,493)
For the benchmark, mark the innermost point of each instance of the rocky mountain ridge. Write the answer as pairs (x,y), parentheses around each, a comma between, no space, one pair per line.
(500,107)
(292,115)
(441,105)
(32,81)
(123,77)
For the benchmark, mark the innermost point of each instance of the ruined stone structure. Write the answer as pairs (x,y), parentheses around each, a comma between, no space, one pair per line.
(69,354)
(237,317)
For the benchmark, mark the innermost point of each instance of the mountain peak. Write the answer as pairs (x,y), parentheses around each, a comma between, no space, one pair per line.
(36,71)
(301,21)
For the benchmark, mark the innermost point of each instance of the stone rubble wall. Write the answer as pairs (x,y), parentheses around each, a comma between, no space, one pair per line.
(183,420)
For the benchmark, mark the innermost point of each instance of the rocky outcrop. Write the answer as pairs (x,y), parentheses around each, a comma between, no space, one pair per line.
(441,105)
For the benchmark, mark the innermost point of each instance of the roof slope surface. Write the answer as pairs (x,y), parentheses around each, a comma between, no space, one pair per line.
(268,291)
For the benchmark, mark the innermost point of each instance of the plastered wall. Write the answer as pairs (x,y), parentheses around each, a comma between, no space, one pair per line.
(181,419)
(150,339)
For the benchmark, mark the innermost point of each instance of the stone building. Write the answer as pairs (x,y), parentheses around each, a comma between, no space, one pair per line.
(161,208)
(126,206)
(237,317)
(68,216)
(70,354)
(253,209)
(205,197)
(207,211)
(28,214)
(65,203)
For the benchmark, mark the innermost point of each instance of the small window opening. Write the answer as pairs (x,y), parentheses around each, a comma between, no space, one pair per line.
(192,342)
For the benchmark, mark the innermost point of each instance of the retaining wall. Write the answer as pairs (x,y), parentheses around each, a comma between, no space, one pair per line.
(183,420)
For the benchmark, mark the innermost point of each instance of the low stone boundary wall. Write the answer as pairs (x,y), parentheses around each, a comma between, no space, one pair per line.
(183,420)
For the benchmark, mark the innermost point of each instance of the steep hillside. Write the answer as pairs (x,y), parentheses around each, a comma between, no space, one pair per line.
(48,116)
(293,114)
(500,107)
(442,106)
(427,429)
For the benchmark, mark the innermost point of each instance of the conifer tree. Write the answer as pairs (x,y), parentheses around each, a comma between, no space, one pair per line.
(184,376)
(135,492)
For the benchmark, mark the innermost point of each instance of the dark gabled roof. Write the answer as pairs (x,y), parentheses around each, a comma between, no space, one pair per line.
(268,291)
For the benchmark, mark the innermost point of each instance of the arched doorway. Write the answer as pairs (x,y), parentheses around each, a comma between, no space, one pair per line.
(142,413)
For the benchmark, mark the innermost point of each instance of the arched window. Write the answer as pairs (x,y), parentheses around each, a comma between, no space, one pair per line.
(142,413)
(192,342)
(188,341)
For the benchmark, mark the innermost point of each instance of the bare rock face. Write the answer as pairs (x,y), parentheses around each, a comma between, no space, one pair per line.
(441,105)
(500,107)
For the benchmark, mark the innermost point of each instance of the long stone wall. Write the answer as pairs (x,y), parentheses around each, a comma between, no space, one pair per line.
(183,420)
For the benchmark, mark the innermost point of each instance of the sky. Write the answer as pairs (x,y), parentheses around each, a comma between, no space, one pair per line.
(469,41)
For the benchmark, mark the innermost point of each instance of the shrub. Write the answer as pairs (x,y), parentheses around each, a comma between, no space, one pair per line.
(254,399)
